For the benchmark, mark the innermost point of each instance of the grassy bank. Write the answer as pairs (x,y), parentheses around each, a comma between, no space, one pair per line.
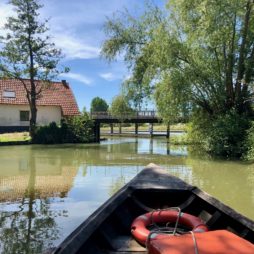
(14,137)
(145,127)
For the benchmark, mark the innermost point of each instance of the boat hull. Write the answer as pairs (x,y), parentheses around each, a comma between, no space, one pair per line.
(108,229)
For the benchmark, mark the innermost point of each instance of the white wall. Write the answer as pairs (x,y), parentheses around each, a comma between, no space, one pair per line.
(10,115)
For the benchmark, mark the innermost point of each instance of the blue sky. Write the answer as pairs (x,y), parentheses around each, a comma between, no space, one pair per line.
(77,28)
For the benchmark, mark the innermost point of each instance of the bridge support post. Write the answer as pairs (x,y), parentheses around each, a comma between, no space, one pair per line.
(120,128)
(97,135)
(136,128)
(168,130)
(151,129)
(151,146)
(111,128)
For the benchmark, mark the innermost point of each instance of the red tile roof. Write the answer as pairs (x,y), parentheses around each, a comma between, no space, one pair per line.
(54,94)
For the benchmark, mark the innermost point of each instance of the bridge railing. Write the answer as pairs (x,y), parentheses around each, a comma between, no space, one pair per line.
(126,115)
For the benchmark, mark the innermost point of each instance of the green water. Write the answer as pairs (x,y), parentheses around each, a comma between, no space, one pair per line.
(47,191)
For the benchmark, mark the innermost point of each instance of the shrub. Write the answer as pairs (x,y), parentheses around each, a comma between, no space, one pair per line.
(78,129)
(223,135)
(50,134)
(249,144)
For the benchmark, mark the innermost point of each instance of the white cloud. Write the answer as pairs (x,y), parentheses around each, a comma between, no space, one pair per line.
(109,76)
(75,48)
(78,77)
(5,11)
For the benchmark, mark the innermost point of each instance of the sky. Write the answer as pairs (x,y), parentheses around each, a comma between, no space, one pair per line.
(76,27)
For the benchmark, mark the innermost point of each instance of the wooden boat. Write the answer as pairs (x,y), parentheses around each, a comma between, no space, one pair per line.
(108,229)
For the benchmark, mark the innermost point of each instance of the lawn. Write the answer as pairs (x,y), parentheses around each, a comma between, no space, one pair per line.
(16,136)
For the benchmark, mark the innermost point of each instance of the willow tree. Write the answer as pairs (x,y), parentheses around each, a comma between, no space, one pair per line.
(27,53)
(121,109)
(203,50)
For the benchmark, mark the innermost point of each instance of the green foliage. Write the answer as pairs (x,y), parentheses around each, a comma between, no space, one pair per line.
(171,107)
(99,105)
(50,134)
(224,135)
(120,107)
(249,144)
(197,56)
(180,140)
(78,129)
(27,53)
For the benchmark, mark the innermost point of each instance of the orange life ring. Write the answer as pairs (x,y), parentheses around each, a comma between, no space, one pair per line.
(139,225)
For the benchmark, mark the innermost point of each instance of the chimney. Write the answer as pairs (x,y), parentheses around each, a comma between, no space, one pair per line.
(65,83)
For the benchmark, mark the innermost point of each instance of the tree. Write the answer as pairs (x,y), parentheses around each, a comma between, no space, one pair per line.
(120,107)
(202,50)
(27,53)
(99,105)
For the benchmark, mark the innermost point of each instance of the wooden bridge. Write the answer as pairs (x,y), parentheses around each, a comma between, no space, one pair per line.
(136,117)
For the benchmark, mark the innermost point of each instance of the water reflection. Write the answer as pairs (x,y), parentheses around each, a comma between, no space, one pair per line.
(47,191)
(27,223)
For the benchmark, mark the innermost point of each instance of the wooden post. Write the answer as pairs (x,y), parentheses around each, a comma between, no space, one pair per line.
(136,145)
(111,128)
(97,132)
(136,128)
(151,146)
(151,129)
(168,148)
(168,131)
(120,128)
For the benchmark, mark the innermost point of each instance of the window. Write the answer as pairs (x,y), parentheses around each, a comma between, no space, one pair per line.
(9,94)
(24,115)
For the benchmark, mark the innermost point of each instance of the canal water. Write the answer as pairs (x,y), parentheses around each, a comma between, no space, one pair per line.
(47,191)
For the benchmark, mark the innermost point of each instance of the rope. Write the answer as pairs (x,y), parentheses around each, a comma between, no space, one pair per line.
(166,209)
(195,242)
(170,232)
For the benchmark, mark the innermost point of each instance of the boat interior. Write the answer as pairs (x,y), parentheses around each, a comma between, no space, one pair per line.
(113,234)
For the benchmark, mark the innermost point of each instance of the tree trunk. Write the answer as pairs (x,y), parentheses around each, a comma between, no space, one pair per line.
(33,117)
(32,103)
(33,109)
(242,53)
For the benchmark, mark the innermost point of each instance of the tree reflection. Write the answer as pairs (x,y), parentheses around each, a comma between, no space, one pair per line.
(31,228)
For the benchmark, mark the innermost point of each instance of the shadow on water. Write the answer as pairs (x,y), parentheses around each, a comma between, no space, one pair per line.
(47,191)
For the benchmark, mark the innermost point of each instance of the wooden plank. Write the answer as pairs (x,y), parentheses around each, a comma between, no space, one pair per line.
(126,243)
(188,202)
(154,177)
(224,208)
(127,252)
(215,217)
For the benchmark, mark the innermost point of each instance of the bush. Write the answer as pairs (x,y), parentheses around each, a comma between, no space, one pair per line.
(223,135)
(50,134)
(249,144)
(78,129)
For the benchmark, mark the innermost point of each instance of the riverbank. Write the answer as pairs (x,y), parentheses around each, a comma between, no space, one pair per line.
(145,127)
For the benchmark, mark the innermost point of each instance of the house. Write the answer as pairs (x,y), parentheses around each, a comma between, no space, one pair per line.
(55,102)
